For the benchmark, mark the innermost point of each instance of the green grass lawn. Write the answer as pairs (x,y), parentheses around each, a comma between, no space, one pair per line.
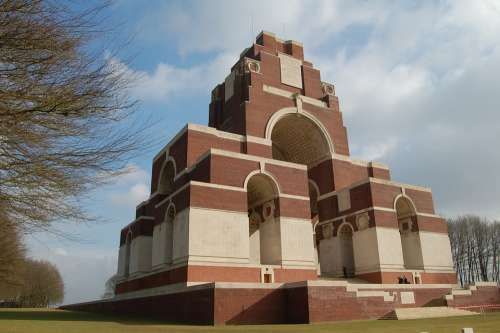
(59,321)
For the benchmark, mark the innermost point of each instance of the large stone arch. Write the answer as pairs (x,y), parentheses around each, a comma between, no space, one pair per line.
(298,136)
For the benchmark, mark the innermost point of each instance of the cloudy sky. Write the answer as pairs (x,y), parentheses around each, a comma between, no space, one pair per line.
(418,81)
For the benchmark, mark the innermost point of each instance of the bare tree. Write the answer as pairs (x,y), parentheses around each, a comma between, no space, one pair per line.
(494,235)
(67,122)
(475,245)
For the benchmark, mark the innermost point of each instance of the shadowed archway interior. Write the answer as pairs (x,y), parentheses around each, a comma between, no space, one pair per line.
(408,230)
(264,227)
(298,139)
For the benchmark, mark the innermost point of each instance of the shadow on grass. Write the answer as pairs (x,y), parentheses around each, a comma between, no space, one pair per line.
(65,315)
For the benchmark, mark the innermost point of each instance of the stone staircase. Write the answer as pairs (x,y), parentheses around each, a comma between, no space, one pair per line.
(467,291)
(461,291)
(400,302)
(429,312)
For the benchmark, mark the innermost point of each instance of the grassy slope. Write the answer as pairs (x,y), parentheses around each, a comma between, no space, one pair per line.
(57,321)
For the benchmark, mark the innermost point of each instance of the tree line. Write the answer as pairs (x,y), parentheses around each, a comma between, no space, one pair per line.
(25,282)
(475,247)
(67,125)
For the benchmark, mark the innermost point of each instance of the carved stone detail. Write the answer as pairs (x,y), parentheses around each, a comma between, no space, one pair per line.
(327,230)
(328,88)
(254,217)
(291,71)
(250,65)
(268,210)
(363,221)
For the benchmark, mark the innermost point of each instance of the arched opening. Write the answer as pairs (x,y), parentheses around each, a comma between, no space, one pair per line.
(346,250)
(128,245)
(264,228)
(169,233)
(167,174)
(296,138)
(408,230)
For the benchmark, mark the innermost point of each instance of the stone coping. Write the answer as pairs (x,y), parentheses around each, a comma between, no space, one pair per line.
(193,286)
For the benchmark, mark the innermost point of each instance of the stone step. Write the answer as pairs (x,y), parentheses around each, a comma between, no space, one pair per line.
(430,312)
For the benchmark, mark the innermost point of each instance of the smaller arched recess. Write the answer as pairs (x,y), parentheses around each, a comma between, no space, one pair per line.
(408,229)
(163,238)
(345,234)
(167,175)
(263,219)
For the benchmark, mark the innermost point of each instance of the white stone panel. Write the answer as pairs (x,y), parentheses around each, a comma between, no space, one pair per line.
(218,235)
(344,200)
(329,257)
(140,254)
(133,257)
(366,256)
(291,70)
(389,248)
(181,237)
(297,246)
(270,242)
(407,297)
(436,251)
(412,252)
(162,244)
(254,244)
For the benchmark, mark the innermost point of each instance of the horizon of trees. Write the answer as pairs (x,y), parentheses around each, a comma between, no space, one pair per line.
(475,247)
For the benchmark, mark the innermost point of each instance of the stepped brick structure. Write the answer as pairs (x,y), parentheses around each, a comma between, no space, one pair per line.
(269,193)
(244,214)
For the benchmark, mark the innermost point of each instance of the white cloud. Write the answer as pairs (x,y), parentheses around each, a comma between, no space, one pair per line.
(168,81)
(230,25)
(132,173)
(375,151)
(130,188)
(135,195)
